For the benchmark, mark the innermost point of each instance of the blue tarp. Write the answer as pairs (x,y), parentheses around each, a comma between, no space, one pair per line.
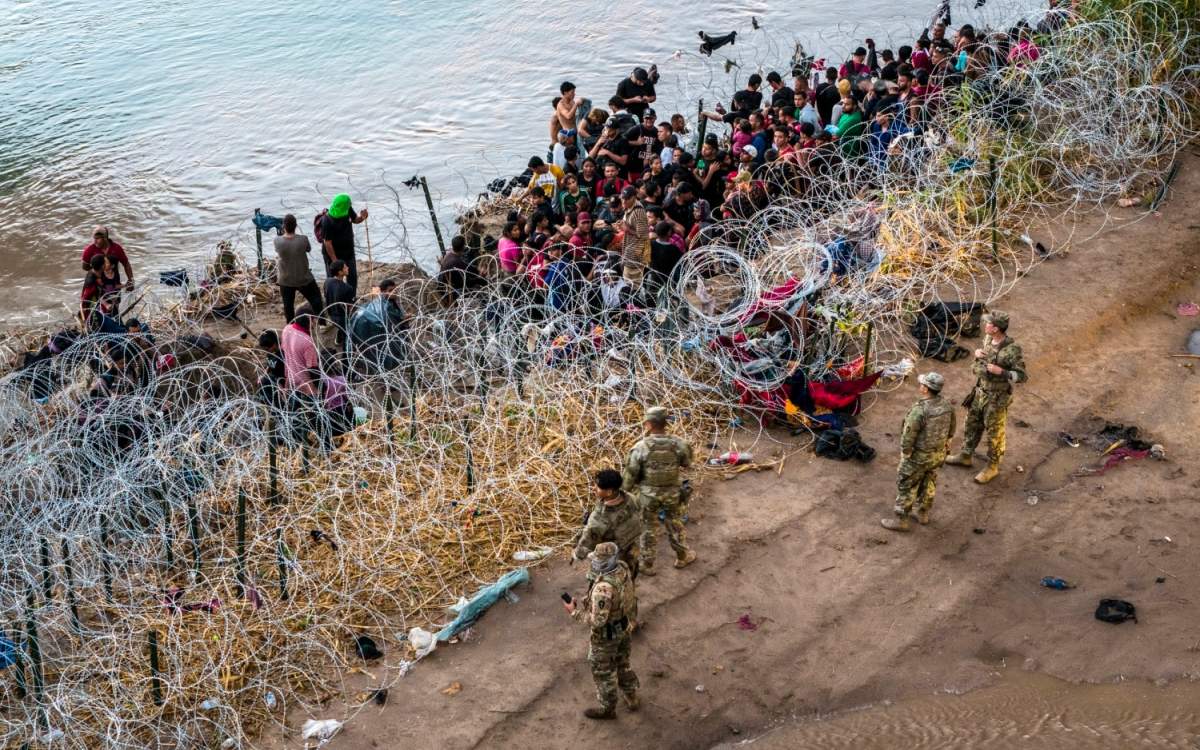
(483,599)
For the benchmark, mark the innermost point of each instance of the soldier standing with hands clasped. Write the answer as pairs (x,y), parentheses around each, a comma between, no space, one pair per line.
(923,444)
(609,605)
(653,468)
(998,365)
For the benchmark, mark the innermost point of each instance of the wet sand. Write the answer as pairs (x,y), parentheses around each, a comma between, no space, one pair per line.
(850,615)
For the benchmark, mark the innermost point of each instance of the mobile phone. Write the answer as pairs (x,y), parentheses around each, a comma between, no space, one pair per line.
(566,597)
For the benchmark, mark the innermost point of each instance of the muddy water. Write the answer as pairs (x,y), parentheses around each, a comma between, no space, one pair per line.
(1026,711)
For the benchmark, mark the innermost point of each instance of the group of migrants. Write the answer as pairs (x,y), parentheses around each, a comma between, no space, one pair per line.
(602,222)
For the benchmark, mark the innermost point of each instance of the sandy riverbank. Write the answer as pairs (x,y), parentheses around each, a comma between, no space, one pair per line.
(849,614)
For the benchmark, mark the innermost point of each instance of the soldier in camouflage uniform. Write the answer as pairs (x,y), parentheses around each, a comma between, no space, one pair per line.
(998,365)
(923,444)
(653,468)
(616,518)
(608,607)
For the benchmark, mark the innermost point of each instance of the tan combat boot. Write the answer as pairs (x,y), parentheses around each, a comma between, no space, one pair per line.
(923,516)
(645,569)
(898,523)
(988,474)
(600,713)
(632,701)
(688,558)
(961,459)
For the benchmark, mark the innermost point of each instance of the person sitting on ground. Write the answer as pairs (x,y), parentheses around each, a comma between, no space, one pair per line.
(568,197)
(339,299)
(452,270)
(293,271)
(508,250)
(273,382)
(102,244)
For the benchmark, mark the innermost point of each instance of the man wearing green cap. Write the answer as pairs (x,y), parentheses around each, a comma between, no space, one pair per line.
(923,444)
(998,365)
(653,468)
(337,235)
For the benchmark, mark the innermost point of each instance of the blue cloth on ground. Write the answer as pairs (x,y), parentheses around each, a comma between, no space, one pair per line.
(483,599)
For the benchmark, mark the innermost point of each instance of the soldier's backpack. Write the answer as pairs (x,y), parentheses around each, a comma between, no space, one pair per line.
(1116,611)
(662,462)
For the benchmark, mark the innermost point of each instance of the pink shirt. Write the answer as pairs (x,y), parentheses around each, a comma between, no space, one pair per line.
(299,356)
(1024,50)
(509,252)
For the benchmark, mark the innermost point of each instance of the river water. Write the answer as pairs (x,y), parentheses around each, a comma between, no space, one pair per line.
(1027,711)
(172,121)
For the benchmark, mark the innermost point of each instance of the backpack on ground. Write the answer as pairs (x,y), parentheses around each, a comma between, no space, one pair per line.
(1116,611)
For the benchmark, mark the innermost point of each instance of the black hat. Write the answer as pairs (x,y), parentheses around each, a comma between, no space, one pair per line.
(860,51)
(649,113)
(629,191)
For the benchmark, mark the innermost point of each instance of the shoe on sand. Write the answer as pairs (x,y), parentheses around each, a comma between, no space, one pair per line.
(988,474)
(923,517)
(632,701)
(600,713)
(961,459)
(894,524)
(688,558)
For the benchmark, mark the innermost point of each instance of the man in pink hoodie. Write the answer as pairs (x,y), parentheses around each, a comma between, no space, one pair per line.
(302,370)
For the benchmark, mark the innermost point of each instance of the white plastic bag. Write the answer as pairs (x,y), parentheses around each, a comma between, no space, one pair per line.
(423,641)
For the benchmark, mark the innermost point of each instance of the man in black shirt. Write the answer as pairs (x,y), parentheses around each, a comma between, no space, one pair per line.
(890,66)
(828,96)
(782,97)
(750,98)
(612,148)
(337,235)
(647,146)
(679,209)
(637,92)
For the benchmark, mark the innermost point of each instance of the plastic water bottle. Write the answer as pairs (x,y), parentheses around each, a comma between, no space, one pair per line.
(731,458)
(209,704)
(270,700)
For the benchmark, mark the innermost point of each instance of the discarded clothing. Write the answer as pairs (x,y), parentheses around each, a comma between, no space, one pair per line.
(841,394)
(710,43)
(483,599)
(1116,611)
(843,445)
(266,223)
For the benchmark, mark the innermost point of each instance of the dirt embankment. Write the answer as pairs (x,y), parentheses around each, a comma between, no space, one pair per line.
(847,614)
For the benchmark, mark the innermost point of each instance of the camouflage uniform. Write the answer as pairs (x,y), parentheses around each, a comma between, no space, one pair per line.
(988,409)
(653,468)
(923,444)
(614,523)
(608,610)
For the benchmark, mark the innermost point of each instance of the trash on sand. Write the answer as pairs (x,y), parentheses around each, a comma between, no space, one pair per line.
(483,599)
(1160,579)
(978,530)
(1161,540)
(366,647)
(1031,500)
(1158,452)
(322,730)
(1068,439)
(1121,455)
(745,623)
(379,696)
(900,369)
(1188,309)
(1057,584)
(526,555)
(699,688)
(731,458)
(423,642)
(452,689)
(269,699)
(1116,611)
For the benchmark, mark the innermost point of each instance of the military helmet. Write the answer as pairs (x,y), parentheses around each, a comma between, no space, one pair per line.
(998,319)
(658,414)
(933,381)
(605,550)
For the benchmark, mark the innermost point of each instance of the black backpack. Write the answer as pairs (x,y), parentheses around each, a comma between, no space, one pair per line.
(843,445)
(319,226)
(1116,611)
